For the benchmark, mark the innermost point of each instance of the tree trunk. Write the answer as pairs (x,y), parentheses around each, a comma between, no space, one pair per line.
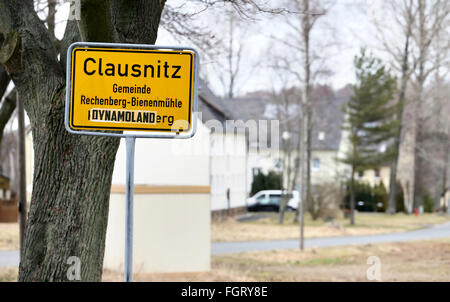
(418,160)
(309,199)
(22,171)
(283,204)
(352,197)
(285,183)
(69,207)
(72,173)
(392,201)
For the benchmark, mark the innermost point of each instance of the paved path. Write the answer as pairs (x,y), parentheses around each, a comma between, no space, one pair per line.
(11,258)
(438,231)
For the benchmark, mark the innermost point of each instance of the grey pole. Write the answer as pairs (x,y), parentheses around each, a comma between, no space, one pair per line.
(128,263)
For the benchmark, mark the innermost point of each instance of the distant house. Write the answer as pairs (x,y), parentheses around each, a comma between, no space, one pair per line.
(376,176)
(228,152)
(262,156)
(327,142)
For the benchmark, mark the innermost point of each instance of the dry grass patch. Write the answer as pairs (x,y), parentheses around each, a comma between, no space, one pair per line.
(409,261)
(9,236)
(8,274)
(216,275)
(412,261)
(366,224)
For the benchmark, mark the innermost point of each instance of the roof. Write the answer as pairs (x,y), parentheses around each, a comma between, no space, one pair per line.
(327,124)
(328,117)
(245,108)
(209,104)
(211,108)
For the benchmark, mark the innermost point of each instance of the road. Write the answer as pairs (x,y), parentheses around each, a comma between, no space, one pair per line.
(438,231)
(11,258)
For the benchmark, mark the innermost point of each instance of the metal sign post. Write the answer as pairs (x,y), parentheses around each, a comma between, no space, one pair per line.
(148,89)
(129,194)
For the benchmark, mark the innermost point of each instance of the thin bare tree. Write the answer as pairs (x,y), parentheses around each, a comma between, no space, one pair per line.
(310,65)
(432,16)
(286,102)
(407,33)
(401,16)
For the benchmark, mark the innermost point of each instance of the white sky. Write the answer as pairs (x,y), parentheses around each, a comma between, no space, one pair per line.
(347,25)
(349,20)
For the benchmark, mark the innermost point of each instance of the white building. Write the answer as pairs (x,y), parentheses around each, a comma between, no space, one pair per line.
(327,142)
(171,206)
(178,184)
(228,157)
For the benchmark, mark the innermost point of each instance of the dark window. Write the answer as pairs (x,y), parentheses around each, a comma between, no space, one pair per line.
(274,199)
(377,172)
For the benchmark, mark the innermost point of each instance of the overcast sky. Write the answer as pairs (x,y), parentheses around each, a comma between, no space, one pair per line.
(347,23)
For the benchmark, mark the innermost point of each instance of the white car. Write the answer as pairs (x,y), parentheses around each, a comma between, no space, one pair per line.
(269,200)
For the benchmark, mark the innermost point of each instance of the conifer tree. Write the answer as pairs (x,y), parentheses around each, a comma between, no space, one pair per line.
(370,119)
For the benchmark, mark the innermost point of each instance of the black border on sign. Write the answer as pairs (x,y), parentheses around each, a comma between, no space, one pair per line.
(75,127)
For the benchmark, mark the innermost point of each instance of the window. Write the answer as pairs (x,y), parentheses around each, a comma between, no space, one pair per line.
(316,164)
(360,174)
(274,199)
(321,136)
(261,199)
(377,173)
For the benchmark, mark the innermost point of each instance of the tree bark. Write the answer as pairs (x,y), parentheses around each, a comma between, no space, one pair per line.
(307,106)
(72,173)
(392,201)
(22,171)
(352,196)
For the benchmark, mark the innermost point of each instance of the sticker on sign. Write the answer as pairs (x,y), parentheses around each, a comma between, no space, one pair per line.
(129,87)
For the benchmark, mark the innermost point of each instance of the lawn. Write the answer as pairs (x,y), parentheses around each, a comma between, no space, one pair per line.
(411,261)
(365,224)
(8,274)
(406,261)
(427,260)
(9,236)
